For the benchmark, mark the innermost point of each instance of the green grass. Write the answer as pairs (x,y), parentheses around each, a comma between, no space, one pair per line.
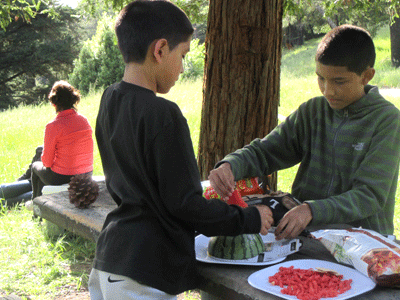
(34,265)
(22,129)
(189,97)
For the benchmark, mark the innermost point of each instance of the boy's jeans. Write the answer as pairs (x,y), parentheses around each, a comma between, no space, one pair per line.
(107,286)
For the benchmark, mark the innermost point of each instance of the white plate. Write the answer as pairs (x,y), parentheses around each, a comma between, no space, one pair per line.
(361,283)
(201,246)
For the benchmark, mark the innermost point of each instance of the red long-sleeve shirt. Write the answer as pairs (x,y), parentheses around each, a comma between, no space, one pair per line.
(68,144)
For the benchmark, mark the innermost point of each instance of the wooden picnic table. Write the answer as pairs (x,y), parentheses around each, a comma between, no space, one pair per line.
(230,282)
(218,281)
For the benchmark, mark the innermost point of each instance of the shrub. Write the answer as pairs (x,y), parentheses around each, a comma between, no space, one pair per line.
(99,63)
(85,70)
(194,61)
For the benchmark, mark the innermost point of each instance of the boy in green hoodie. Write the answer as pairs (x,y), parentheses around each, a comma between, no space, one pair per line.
(347,143)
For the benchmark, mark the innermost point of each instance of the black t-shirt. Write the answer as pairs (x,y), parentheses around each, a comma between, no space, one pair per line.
(151,173)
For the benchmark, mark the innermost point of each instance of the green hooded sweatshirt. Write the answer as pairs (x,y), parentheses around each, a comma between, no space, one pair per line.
(349,160)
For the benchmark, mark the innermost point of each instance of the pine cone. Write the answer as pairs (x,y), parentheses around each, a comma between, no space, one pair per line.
(83,190)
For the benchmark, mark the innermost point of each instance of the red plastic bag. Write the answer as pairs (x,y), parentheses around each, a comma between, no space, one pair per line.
(236,199)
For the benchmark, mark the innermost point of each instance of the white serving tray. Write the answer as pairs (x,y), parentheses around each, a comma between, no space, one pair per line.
(201,246)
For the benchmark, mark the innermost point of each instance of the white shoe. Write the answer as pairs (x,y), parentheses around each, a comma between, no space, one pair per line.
(29,205)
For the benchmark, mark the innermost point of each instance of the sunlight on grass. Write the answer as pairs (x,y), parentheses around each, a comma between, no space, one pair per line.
(22,130)
(382,46)
(29,255)
(295,91)
(189,96)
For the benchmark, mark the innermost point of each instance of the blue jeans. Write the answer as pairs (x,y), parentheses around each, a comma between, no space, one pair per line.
(16,192)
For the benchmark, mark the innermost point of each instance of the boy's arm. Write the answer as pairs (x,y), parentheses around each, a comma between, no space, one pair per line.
(173,163)
(280,149)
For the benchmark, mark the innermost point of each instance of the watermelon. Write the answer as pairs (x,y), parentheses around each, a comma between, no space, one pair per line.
(242,246)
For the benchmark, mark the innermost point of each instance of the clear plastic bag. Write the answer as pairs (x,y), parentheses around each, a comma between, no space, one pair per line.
(371,253)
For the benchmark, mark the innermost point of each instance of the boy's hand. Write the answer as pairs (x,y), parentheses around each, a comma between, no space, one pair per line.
(293,222)
(223,181)
(266,218)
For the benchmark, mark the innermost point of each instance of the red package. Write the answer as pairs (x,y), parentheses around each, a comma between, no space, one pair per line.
(210,193)
(249,186)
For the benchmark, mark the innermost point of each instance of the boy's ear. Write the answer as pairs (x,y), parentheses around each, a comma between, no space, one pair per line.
(368,75)
(159,50)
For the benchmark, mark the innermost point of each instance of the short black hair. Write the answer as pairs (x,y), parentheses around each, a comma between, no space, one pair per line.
(349,46)
(64,96)
(143,21)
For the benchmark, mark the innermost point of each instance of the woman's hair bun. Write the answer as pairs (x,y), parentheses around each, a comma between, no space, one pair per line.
(63,95)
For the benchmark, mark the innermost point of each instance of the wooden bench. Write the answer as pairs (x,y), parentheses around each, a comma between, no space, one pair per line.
(219,282)
(56,208)
(52,189)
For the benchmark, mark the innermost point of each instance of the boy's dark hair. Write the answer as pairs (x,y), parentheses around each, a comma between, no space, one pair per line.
(143,21)
(349,46)
(64,96)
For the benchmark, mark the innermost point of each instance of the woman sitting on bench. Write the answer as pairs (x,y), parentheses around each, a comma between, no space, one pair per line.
(68,142)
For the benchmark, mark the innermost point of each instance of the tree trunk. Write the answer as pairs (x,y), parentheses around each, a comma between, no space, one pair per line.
(241,77)
(328,19)
(395,42)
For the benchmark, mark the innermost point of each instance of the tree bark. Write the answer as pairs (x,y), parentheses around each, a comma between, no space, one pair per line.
(395,42)
(241,76)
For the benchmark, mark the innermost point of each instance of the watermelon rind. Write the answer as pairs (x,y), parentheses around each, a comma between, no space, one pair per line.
(238,247)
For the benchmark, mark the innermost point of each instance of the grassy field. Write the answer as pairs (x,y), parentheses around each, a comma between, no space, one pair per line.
(34,265)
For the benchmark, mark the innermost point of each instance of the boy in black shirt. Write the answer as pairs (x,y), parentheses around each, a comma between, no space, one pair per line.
(146,247)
